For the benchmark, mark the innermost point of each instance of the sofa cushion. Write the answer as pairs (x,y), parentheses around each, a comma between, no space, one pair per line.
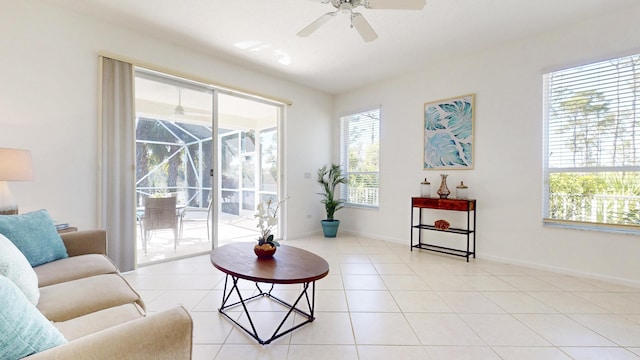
(73,268)
(99,320)
(23,330)
(16,268)
(163,336)
(35,235)
(68,300)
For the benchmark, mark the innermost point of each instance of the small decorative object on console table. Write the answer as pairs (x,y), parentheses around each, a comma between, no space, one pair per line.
(462,191)
(462,205)
(443,191)
(267,219)
(425,188)
(442,224)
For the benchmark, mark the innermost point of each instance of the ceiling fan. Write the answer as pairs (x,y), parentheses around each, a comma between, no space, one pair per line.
(179,110)
(357,20)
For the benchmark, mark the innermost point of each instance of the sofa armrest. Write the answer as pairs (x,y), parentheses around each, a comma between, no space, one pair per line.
(165,335)
(85,242)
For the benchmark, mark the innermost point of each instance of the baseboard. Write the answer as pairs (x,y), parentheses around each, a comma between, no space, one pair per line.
(303,235)
(562,270)
(372,236)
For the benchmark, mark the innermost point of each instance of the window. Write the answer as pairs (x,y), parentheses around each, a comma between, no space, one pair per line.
(592,144)
(359,157)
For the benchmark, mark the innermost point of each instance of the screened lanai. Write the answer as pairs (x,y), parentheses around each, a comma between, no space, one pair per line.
(173,158)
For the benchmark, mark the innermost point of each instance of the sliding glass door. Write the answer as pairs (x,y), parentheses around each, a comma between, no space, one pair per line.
(249,158)
(174,155)
(215,152)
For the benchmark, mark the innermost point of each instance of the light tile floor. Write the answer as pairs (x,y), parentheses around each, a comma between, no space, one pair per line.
(383,301)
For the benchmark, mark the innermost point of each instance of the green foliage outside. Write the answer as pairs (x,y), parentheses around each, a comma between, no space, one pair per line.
(577,184)
(365,167)
(595,197)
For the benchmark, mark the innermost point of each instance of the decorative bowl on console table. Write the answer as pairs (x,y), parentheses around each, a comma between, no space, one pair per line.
(442,224)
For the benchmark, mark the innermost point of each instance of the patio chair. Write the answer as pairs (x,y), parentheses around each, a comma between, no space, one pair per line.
(160,213)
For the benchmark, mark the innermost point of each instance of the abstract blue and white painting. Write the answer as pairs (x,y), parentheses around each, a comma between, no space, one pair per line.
(448,133)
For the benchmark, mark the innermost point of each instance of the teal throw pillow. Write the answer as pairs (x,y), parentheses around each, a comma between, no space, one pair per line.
(16,268)
(23,329)
(35,235)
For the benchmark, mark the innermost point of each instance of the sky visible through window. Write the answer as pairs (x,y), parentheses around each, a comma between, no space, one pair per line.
(593,115)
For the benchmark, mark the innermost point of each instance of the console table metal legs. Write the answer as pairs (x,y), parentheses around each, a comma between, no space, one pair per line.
(462,205)
(279,331)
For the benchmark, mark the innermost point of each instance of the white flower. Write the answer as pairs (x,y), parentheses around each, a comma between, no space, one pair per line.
(267,218)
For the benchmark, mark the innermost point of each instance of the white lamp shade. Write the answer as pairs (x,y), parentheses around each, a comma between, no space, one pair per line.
(15,165)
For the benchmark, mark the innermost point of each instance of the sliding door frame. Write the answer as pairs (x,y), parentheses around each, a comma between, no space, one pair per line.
(281,186)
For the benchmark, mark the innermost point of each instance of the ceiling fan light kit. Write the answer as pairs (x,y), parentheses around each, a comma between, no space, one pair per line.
(179,110)
(346,8)
(182,114)
(358,21)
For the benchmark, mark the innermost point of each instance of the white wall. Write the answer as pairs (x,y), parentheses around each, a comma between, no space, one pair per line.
(507,178)
(49,97)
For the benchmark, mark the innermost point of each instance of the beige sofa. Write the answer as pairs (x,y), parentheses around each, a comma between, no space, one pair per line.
(99,313)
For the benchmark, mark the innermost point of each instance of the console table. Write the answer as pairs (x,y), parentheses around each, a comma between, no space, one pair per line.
(289,265)
(464,205)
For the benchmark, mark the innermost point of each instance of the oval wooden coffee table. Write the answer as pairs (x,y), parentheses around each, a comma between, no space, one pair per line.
(289,265)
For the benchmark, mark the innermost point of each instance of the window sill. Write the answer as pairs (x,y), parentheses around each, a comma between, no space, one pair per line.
(360,206)
(586,226)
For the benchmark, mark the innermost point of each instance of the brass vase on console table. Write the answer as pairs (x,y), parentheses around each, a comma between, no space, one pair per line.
(443,191)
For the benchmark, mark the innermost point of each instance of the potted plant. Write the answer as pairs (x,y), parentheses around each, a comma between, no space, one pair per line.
(267,215)
(329,178)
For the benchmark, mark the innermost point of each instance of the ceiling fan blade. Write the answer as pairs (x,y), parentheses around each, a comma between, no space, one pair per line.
(395,4)
(311,28)
(362,25)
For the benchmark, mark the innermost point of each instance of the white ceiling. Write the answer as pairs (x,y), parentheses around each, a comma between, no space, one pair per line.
(261,34)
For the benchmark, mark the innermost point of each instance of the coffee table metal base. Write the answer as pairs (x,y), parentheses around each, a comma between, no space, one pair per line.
(279,331)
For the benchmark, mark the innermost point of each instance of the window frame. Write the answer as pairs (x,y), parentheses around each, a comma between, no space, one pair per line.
(344,158)
(550,123)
